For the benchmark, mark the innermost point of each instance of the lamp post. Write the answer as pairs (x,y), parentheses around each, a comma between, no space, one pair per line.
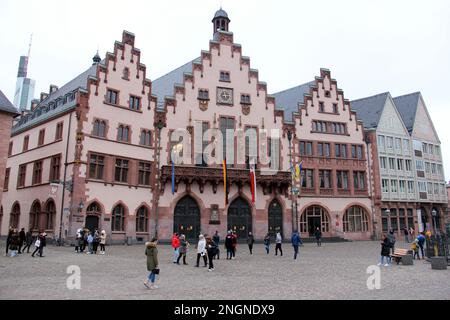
(294,212)
(159,126)
(434,213)
(388,213)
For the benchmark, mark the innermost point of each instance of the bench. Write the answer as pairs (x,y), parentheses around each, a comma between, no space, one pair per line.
(402,255)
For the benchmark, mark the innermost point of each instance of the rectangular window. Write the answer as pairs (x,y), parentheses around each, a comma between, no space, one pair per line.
(37,172)
(6,183)
(427,167)
(422,186)
(325,179)
(225,76)
(22,176)
(245,99)
(96,166)
(425,148)
(123,133)
(400,165)
(436,189)
(359,180)
(226,124)
(121,171)
(337,150)
(383,163)
(402,186)
(203,94)
(344,150)
(394,185)
(354,152)
(408,165)
(321,107)
(320,149)
(146,138)
(59,131)
(55,168)
(308,178)
(381,143)
(342,180)
(385,185)
(430,188)
(398,145)
(359,151)
(417,146)
(405,146)
(419,165)
(10,147)
(392,164)
(437,150)
(440,170)
(112,96)
(302,149)
(135,103)
(309,149)
(326,150)
(144,173)
(433,168)
(390,143)
(335,108)
(26,141)
(41,137)
(411,187)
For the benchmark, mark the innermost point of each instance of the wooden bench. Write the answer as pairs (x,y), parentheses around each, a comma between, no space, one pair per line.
(399,254)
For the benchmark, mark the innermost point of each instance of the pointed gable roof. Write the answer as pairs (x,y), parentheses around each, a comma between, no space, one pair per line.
(288,100)
(370,109)
(6,105)
(407,106)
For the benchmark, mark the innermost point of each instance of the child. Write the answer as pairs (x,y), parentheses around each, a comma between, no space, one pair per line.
(415,248)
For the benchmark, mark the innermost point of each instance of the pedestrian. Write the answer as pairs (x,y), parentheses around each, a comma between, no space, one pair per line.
(8,239)
(151,251)
(421,241)
(183,249)
(318,235)
(211,249)
(96,241)
(391,238)
(229,245)
(201,251)
(175,246)
(278,243)
(250,242)
(234,244)
(406,233)
(82,241)
(22,238)
(216,239)
(102,241)
(412,233)
(14,243)
(296,241)
(40,243)
(267,242)
(385,251)
(90,241)
(28,241)
(415,249)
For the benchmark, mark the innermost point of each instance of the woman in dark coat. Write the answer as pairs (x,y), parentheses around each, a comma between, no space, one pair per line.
(229,245)
(152,263)
(211,249)
(14,243)
(28,241)
(385,251)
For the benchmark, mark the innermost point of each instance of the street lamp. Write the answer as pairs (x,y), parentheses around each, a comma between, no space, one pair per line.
(159,125)
(293,192)
(388,213)
(434,213)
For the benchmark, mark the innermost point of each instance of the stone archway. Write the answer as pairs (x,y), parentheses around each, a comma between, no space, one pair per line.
(186,218)
(240,218)
(275,215)
(313,217)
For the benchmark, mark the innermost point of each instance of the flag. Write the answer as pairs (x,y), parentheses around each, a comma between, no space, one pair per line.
(298,170)
(173,177)
(225,185)
(253,181)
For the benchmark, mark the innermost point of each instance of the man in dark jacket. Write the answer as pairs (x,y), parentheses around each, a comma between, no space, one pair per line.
(250,242)
(229,245)
(28,241)
(318,235)
(22,239)
(296,241)
(8,239)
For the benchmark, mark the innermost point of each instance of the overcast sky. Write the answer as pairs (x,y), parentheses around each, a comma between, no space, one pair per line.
(401,46)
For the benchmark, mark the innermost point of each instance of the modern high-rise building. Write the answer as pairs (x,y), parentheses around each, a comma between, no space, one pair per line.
(24,87)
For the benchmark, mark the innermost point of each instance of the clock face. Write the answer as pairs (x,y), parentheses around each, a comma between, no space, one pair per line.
(225,96)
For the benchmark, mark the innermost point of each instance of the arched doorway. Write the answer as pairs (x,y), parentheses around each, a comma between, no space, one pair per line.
(240,218)
(186,218)
(275,218)
(93,213)
(15,216)
(314,217)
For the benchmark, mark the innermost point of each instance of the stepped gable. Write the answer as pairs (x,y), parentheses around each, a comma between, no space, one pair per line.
(289,100)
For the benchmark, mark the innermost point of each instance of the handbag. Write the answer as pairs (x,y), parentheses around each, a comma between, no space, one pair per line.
(155,271)
(37,243)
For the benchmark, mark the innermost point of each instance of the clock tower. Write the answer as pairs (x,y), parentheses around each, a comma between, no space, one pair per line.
(220,21)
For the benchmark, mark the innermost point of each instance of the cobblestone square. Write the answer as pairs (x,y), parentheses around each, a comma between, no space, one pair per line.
(333,271)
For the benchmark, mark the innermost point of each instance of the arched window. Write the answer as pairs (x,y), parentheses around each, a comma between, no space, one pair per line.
(99,128)
(314,217)
(356,220)
(123,133)
(142,220)
(118,219)
(15,216)
(50,214)
(34,215)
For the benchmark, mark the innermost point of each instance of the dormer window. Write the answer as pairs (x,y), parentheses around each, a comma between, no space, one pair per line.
(225,76)
(321,107)
(59,102)
(335,108)
(245,99)
(203,94)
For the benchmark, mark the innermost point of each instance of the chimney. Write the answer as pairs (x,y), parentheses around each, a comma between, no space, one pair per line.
(34,104)
(43,96)
(53,88)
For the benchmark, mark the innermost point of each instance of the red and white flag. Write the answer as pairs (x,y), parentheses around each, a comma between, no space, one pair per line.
(253,181)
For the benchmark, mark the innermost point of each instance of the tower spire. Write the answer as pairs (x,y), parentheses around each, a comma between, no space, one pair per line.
(220,21)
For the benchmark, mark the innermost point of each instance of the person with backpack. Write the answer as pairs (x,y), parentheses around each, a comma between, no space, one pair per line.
(151,251)
(391,239)
(211,249)
(296,241)
(267,242)
(421,241)
(201,251)
(229,245)
(278,243)
(250,242)
(216,239)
